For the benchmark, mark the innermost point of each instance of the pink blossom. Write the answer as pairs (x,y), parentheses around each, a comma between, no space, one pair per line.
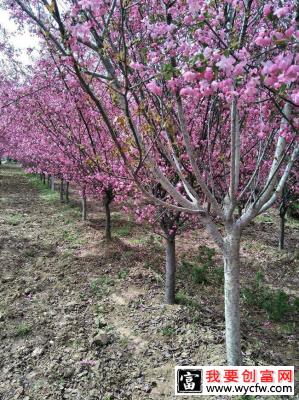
(295,97)
(281,12)
(194,5)
(137,66)
(263,41)
(239,68)
(188,19)
(187,91)
(154,88)
(226,64)
(262,134)
(267,10)
(172,84)
(189,76)
(289,32)
(208,74)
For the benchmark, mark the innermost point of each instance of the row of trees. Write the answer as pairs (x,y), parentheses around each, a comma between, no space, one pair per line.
(186,109)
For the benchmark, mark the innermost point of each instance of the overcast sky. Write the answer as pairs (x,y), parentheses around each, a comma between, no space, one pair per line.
(20,41)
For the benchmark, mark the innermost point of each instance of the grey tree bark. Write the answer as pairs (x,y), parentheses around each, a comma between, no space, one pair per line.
(231,255)
(170,270)
(52,183)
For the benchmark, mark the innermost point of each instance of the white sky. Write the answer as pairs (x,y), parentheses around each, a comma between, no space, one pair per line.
(20,41)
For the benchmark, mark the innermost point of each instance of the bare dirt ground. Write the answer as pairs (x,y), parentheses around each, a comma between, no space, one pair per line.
(80,319)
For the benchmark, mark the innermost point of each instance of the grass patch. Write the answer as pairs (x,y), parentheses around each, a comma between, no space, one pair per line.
(202,270)
(100,286)
(141,239)
(123,231)
(23,330)
(70,211)
(72,238)
(116,216)
(14,219)
(265,218)
(30,253)
(128,253)
(69,236)
(276,303)
(197,274)
(184,299)
(122,274)
(44,192)
(288,328)
(168,331)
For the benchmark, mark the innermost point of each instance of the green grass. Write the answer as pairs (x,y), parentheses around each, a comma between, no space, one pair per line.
(23,330)
(116,216)
(265,218)
(196,273)
(100,286)
(184,299)
(44,192)
(292,223)
(275,303)
(29,253)
(202,269)
(72,237)
(288,328)
(123,231)
(128,253)
(122,274)
(141,239)
(13,219)
(168,331)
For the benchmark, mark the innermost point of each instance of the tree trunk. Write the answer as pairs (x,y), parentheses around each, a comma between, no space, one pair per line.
(84,207)
(44,179)
(232,299)
(61,191)
(281,232)
(49,181)
(67,199)
(108,221)
(282,214)
(108,197)
(52,183)
(209,207)
(170,270)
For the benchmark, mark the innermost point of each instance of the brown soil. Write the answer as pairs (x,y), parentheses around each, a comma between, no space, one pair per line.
(62,287)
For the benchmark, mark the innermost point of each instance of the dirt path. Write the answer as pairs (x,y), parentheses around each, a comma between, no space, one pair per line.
(82,320)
